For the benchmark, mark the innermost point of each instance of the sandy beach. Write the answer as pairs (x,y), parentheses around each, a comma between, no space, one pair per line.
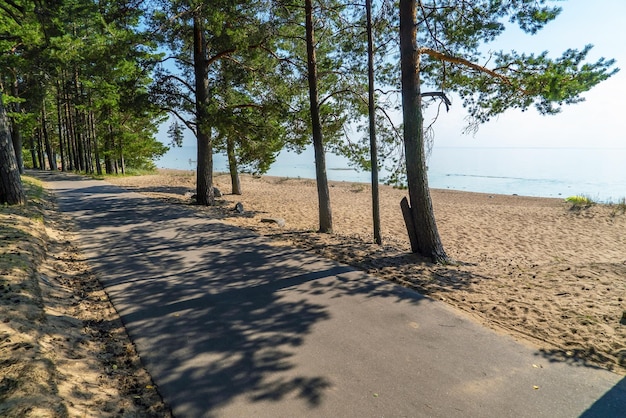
(531,267)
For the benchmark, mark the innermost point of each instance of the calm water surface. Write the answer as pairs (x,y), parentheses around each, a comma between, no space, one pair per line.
(599,173)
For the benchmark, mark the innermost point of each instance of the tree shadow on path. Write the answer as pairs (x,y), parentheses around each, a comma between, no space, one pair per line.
(216,313)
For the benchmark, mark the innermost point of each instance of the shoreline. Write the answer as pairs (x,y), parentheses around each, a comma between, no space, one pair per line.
(177,171)
(530,266)
(526,171)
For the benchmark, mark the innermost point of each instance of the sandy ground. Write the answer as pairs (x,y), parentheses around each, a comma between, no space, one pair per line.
(534,268)
(63,349)
(531,267)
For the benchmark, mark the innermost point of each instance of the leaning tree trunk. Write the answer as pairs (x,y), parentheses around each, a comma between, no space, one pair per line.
(204,175)
(419,217)
(11,191)
(232,166)
(323,194)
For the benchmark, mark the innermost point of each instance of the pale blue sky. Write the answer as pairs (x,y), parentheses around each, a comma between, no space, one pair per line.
(597,122)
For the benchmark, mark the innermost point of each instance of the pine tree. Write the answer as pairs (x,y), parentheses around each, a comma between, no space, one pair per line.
(440,47)
(221,83)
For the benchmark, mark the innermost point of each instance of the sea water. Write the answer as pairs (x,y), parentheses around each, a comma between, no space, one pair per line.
(547,172)
(598,173)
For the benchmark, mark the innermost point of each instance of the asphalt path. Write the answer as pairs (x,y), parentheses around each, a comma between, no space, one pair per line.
(229,325)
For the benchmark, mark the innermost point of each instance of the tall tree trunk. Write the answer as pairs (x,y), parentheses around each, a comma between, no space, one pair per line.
(427,241)
(16,134)
(87,133)
(80,143)
(92,128)
(33,152)
(122,163)
(204,174)
(70,127)
(40,148)
(79,135)
(109,147)
(17,145)
(52,161)
(232,166)
(60,128)
(372,121)
(88,144)
(11,191)
(323,194)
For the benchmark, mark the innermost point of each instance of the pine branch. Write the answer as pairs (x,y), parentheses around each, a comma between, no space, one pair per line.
(462,61)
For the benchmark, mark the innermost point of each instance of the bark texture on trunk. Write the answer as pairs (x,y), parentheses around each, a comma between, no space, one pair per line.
(204,174)
(323,194)
(232,167)
(427,240)
(11,191)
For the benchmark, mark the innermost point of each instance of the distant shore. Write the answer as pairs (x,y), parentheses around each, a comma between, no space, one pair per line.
(530,266)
